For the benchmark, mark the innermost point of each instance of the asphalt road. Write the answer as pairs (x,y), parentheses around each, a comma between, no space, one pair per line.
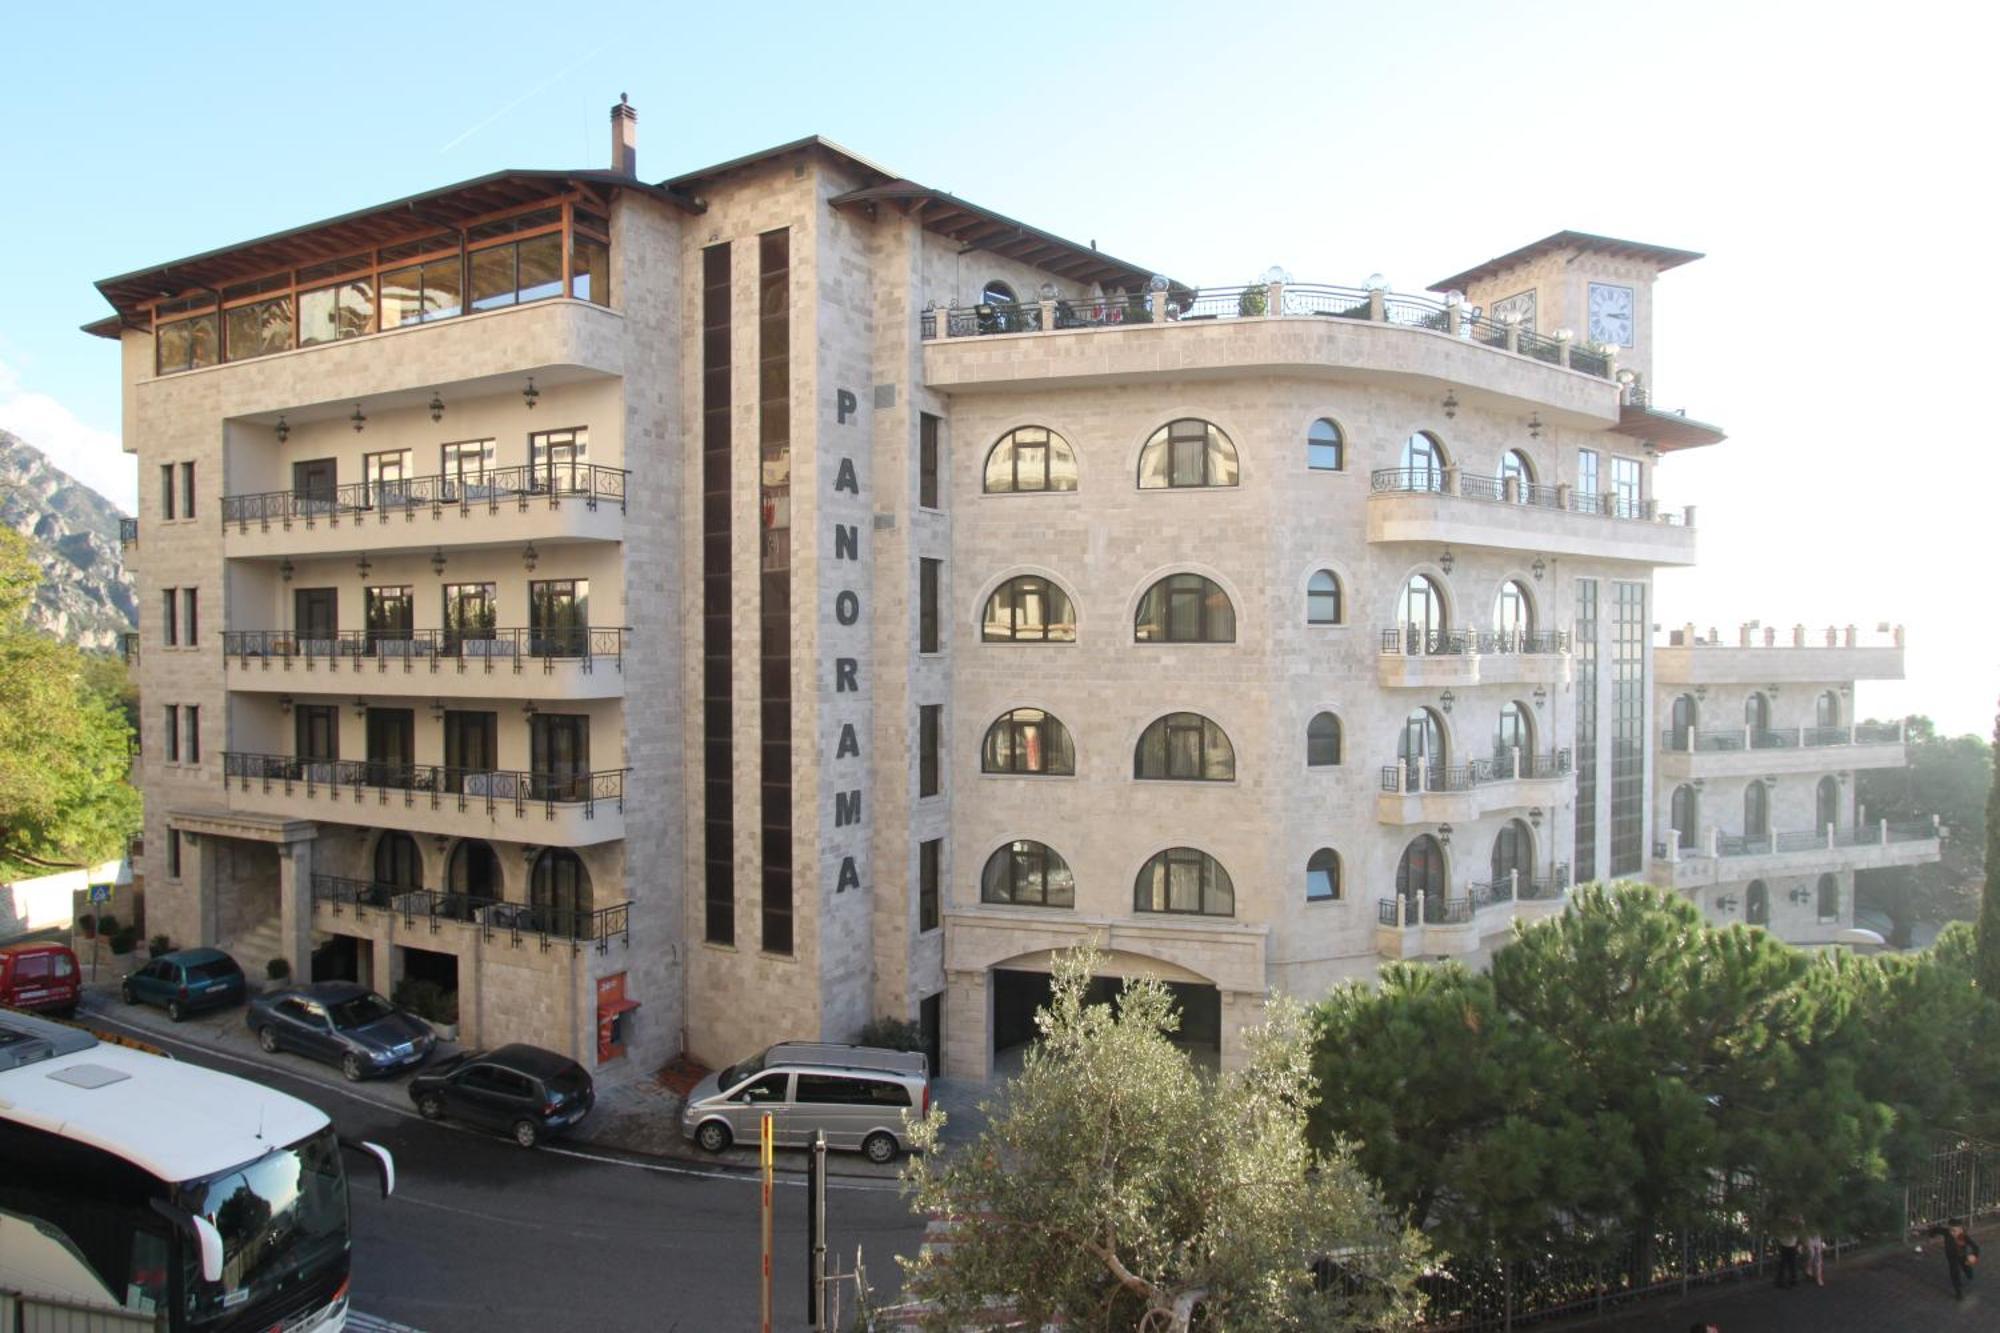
(482,1235)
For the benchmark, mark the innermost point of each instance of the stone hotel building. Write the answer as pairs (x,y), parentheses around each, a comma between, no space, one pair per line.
(677,616)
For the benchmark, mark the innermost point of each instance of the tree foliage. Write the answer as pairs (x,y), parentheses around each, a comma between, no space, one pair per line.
(1119,1188)
(1989,906)
(64,742)
(1947,776)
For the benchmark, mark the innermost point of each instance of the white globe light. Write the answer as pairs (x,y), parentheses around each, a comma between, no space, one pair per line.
(1048,291)
(1377,283)
(1158,282)
(1274,274)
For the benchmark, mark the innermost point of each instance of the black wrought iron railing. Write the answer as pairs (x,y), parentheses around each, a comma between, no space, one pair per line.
(436,786)
(1809,738)
(1524,642)
(1478,486)
(1416,641)
(128,532)
(1431,479)
(1409,777)
(1316,299)
(1806,840)
(521,486)
(492,917)
(486,650)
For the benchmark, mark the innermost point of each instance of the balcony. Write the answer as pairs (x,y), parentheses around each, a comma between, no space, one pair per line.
(560,663)
(1742,752)
(128,532)
(1431,925)
(1757,658)
(573,502)
(1722,858)
(1302,326)
(553,809)
(128,647)
(1445,505)
(1414,658)
(1420,793)
(374,906)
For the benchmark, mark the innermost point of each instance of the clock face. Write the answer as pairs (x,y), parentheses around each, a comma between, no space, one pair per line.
(1520,303)
(1611,314)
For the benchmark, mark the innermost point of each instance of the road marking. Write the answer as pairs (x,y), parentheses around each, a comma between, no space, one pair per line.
(792,1179)
(358,1322)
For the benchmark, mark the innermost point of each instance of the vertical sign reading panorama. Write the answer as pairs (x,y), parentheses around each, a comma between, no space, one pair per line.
(843,578)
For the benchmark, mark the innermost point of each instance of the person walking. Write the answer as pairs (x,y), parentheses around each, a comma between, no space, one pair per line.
(1816,1258)
(1961,1254)
(1788,1256)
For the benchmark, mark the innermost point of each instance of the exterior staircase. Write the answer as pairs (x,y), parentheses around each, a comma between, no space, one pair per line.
(256,947)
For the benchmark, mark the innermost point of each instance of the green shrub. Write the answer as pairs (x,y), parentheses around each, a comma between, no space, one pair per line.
(107,925)
(86,926)
(125,940)
(1253,301)
(427,1000)
(895,1034)
(160,944)
(278,969)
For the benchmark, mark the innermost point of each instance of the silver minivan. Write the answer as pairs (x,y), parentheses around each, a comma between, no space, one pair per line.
(858,1094)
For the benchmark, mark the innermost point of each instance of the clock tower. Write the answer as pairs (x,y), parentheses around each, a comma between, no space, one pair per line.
(1598,287)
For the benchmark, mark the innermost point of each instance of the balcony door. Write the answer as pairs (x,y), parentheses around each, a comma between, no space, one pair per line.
(386,476)
(463,468)
(1683,720)
(391,620)
(316,616)
(470,613)
(392,747)
(558,617)
(314,481)
(316,736)
(471,745)
(561,756)
(557,458)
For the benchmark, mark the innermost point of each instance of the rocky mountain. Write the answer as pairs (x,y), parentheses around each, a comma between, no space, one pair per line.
(86,596)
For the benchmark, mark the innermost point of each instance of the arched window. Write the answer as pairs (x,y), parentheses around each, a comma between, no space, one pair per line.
(1423,613)
(1185,608)
(1513,850)
(1028,740)
(1030,458)
(998,293)
(1028,609)
(1187,747)
(1757,714)
(1829,898)
(1183,880)
(398,864)
(1756,810)
(1323,741)
(1323,598)
(1323,876)
(1757,904)
(1421,745)
(1423,462)
(1684,720)
(1826,804)
(1188,452)
(1515,467)
(1421,871)
(1514,730)
(1826,712)
(1686,815)
(473,871)
(559,892)
(1513,616)
(1027,874)
(1325,447)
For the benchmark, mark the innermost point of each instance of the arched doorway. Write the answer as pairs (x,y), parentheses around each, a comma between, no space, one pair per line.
(559,893)
(1515,467)
(1513,855)
(1683,723)
(1023,984)
(471,877)
(1420,747)
(1756,810)
(1757,904)
(1423,462)
(1826,804)
(1686,816)
(1420,872)
(1757,715)
(1423,615)
(1826,711)
(1513,616)
(1513,730)
(399,867)
(1829,898)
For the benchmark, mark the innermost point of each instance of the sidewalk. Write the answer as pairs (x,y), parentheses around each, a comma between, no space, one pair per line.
(640,1118)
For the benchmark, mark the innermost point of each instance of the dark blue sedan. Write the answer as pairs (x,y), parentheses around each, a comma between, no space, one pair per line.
(342,1024)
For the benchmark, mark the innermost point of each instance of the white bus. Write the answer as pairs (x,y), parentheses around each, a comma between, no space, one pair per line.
(188,1199)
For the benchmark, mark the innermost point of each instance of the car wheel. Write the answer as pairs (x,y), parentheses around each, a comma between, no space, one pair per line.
(351,1067)
(430,1106)
(67,1011)
(527,1133)
(176,1011)
(127,994)
(267,1037)
(880,1148)
(714,1136)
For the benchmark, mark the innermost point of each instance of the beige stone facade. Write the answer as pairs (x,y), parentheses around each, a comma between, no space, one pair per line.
(764,452)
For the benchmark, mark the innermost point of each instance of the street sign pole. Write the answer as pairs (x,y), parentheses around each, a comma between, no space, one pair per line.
(764,1156)
(816,1233)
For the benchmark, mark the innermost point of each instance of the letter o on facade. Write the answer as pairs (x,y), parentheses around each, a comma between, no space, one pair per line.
(847,607)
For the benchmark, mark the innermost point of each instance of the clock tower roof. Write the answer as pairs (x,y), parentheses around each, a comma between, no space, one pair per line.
(1661,257)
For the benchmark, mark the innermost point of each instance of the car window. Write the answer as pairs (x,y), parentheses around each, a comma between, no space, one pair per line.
(831,1090)
(221,969)
(65,966)
(513,1084)
(35,967)
(293,1010)
(881,1092)
(770,1088)
(479,1078)
(361,1011)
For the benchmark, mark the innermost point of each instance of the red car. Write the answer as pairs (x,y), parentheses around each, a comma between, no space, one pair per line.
(40,976)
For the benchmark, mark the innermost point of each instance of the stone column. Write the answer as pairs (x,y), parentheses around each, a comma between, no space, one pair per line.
(968,1026)
(295,872)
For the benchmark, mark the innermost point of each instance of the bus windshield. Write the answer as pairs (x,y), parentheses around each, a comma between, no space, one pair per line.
(283,1219)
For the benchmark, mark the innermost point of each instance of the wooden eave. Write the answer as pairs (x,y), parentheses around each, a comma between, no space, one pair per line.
(450,208)
(1667,432)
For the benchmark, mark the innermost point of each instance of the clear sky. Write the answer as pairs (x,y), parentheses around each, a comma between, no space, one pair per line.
(1833,161)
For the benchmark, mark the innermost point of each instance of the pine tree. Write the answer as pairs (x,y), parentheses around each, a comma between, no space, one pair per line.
(1989,907)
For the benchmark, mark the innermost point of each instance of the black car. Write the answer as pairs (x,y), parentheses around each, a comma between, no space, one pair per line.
(343,1024)
(522,1090)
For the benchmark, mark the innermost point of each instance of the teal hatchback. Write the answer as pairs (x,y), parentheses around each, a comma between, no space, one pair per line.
(185,982)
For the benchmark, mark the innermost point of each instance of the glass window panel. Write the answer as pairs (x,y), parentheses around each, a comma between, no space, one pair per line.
(590,271)
(1221,459)
(444,288)
(493,277)
(1184,758)
(402,297)
(258,329)
(541,267)
(1187,463)
(1183,885)
(1323,446)
(1153,462)
(1062,466)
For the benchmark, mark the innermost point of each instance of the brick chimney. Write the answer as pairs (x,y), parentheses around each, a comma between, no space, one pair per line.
(624,138)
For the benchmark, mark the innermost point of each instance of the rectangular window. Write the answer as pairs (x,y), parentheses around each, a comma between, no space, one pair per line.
(190,616)
(188,344)
(391,612)
(316,732)
(1586,730)
(173,853)
(930,724)
(316,619)
(386,476)
(557,460)
(191,733)
(1628,737)
(422,292)
(930,854)
(1625,487)
(166,490)
(927,604)
(927,461)
(1586,471)
(529,270)
(590,270)
(774,452)
(257,329)
(559,617)
(470,615)
(329,314)
(718,756)
(187,490)
(173,745)
(169,623)
(463,465)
